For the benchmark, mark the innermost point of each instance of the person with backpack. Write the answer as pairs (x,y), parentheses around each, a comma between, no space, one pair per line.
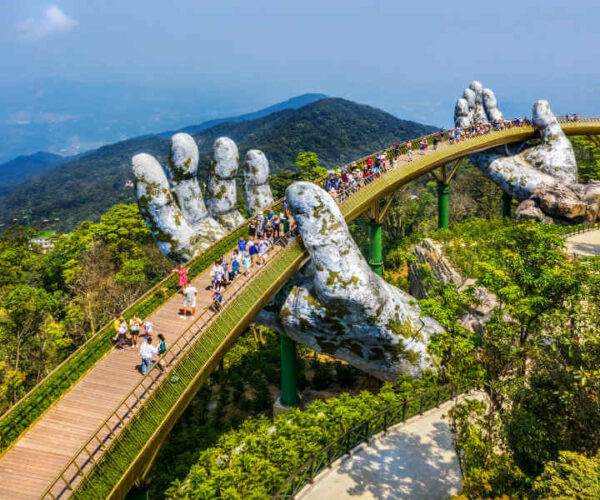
(217,296)
(162,349)
(122,332)
(235,268)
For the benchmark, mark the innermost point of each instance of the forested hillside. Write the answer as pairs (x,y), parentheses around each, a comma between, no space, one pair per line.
(84,188)
(24,167)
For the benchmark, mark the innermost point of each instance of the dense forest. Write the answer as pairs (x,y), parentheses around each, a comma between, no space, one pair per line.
(52,299)
(339,131)
(534,435)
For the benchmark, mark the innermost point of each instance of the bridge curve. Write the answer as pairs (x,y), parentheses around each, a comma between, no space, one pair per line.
(102,432)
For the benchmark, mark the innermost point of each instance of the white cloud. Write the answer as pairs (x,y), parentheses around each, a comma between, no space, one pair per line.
(54,20)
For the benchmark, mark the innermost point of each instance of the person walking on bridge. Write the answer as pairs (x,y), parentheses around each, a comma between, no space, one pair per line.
(189,300)
(122,331)
(147,352)
(409,150)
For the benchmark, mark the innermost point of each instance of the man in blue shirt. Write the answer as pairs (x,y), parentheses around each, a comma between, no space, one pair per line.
(242,244)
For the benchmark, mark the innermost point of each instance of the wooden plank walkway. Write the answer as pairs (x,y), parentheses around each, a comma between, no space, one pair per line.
(35,460)
(29,467)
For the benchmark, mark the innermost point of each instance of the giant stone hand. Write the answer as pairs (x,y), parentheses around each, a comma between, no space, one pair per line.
(542,177)
(338,306)
(172,203)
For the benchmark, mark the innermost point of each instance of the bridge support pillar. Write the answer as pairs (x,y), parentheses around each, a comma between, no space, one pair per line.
(289,376)
(443,178)
(138,493)
(375,248)
(375,215)
(443,190)
(506,205)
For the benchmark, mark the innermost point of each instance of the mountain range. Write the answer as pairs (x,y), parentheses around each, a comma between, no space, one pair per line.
(84,187)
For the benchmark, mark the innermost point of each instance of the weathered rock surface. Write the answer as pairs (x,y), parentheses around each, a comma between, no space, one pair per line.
(431,254)
(172,202)
(340,307)
(256,182)
(175,237)
(545,173)
(221,189)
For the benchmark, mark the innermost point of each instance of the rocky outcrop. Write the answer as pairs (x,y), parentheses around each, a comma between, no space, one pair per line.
(430,254)
(545,173)
(339,307)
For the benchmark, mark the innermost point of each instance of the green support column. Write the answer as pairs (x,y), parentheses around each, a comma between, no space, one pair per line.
(289,373)
(443,205)
(375,248)
(506,205)
(137,493)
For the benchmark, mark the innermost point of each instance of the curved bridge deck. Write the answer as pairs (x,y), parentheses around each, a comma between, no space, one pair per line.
(100,436)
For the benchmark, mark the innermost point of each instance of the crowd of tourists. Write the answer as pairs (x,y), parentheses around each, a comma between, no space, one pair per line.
(270,228)
(264,232)
(128,336)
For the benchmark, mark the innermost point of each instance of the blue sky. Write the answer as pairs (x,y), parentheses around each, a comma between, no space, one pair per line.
(98,70)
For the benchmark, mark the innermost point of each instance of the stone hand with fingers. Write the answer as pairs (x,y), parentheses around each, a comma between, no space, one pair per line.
(180,219)
(542,177)
(338,306)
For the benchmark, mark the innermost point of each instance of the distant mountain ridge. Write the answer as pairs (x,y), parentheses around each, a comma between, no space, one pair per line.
(23,167)
(83,188)
(292,103)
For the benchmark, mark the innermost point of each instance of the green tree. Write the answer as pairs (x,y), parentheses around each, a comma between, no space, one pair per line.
(308,166)
(573,475)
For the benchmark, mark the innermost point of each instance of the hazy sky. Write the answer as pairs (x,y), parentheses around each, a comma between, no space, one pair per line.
(409,58)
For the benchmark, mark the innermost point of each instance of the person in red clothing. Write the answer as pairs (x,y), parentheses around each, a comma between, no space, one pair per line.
(369,162)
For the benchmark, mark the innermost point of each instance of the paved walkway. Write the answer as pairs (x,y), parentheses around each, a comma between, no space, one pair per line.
(414,460)
(584,244)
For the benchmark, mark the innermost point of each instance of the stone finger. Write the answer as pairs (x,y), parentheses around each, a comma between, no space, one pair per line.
(221,191)
(257,191)
(175,237)
(183,171)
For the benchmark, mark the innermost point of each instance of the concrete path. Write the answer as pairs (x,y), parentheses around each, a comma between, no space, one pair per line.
(584,244)
(414,460)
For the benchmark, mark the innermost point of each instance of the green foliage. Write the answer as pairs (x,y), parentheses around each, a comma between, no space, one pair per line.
(254,460)
(536,359)
(587,154)
(308,166)
(571,476)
